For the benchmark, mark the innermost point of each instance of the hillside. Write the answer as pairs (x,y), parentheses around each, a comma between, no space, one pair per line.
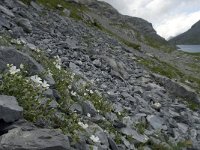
(190,37)
(77,75)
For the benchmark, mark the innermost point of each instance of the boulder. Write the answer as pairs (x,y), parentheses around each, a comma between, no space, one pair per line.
(12,56)
(37,139)
(88,108)
(25,24)
(10,111)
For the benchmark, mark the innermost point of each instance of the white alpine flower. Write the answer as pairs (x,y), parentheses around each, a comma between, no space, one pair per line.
(37,50)
(21,66)
(91,92)
(45,84)
(73,93)
(58,66)
(58,62)
(69,87)
(84,126)
(13,69)
(49,72)
(36,79)
(89,115)
(95,139)
(23,41)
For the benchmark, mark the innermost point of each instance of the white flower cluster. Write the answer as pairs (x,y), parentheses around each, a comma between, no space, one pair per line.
(16,41)
(95,139)
(38,81)
(89,115)
(58,62)
(90,91)
(72,76)
(33,47)
(13,69)
(84,126)
(73,93)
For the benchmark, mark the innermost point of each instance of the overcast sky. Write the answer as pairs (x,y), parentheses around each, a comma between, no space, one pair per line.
(169,17)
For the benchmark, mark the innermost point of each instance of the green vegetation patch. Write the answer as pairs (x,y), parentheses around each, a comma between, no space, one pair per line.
(159,44)
(162,68)
(141,126)
(75,9)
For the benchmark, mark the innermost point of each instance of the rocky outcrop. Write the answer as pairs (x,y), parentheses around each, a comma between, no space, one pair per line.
(190,37)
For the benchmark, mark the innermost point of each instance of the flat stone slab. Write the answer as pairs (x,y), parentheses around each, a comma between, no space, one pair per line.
(155,121)
(135,135)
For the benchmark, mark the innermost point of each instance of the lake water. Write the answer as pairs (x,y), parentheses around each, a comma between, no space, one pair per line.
(189,48)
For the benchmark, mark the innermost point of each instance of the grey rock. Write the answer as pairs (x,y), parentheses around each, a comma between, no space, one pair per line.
(12,56)
(183,127)
(10,4)
(38,139)
(128,144)
(76,107)
(97,63)
(103,138)
(17,32)
(155,121)
(118,124)
(118,107)
(177,89)
(4,22)
(112,143)
(138,137)
(10,111)
(48,93)
(36,6)
(25,24)
(50,103)
(88,107)
(111,116)
(6,11)
(50,80)
(56,95)
(74,67)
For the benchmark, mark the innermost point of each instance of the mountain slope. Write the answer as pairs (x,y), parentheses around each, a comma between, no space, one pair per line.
(69,83)
(192,36)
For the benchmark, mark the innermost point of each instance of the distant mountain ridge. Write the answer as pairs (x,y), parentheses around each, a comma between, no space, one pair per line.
(132,29)
(192,36)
